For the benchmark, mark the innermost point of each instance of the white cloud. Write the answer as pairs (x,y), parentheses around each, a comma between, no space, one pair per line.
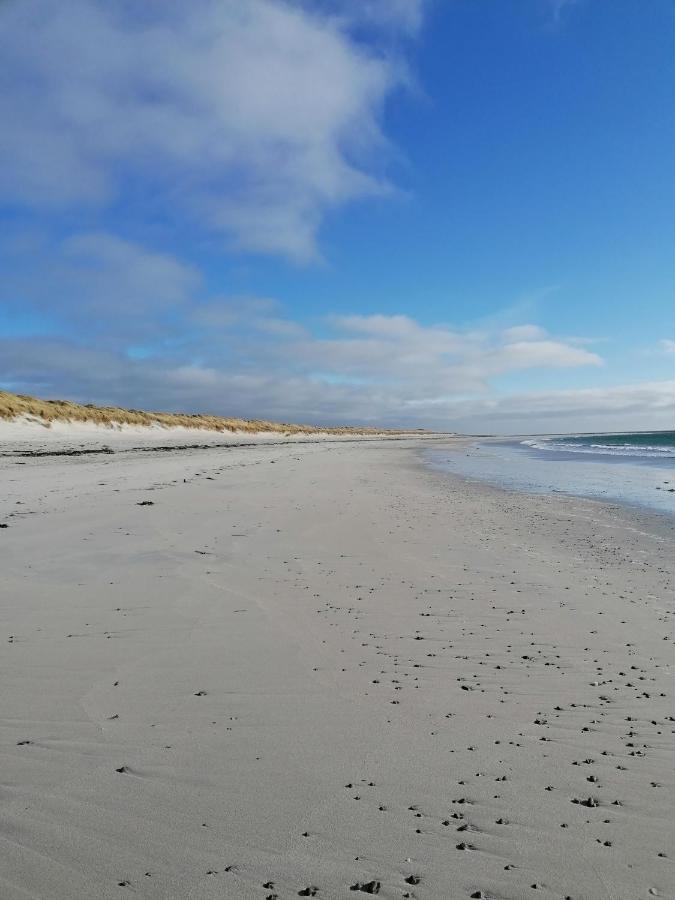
(60,368)
(155,337)
(667,346)
(436,357)
(543,353)
(523,333)
(527,346)
(627,407)
(254,117)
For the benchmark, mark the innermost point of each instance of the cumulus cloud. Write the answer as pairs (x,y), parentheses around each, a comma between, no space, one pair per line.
(430,360)
(626,407)
(62,368)
(156,337)
(542,352)
(253,118)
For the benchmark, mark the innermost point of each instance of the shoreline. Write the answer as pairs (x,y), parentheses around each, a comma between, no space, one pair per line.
(329,666)
(653,523)
(506,464)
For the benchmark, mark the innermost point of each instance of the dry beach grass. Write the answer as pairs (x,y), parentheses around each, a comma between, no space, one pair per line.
(14,406)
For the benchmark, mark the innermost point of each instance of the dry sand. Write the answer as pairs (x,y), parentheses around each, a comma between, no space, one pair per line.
(323,670)
(37,436)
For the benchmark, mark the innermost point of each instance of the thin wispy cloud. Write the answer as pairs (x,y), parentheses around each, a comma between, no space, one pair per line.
(396,15)
(559,7)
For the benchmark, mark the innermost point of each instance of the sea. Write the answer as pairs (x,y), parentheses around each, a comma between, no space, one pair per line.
(635,468)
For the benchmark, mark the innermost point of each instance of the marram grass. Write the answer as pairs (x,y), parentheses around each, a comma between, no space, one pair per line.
(14,406)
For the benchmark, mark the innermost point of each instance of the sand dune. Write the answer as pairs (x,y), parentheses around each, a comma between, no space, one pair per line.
(36,427)
(323,670)
(34,411)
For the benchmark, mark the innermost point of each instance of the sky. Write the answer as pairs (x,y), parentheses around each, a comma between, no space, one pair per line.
(447,214)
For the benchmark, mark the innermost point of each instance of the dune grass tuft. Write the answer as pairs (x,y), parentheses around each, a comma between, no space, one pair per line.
(15,406)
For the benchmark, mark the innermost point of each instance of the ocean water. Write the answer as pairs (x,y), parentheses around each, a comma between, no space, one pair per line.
(636,469)
(653,445)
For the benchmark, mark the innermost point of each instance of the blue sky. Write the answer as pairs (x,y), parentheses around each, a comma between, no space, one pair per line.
(454,214)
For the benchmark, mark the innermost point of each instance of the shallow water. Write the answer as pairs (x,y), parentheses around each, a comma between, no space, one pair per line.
(591,466)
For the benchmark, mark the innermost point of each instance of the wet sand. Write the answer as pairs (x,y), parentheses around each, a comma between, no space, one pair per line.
(324,670)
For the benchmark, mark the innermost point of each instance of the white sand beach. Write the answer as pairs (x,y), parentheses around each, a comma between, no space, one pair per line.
(321,669)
